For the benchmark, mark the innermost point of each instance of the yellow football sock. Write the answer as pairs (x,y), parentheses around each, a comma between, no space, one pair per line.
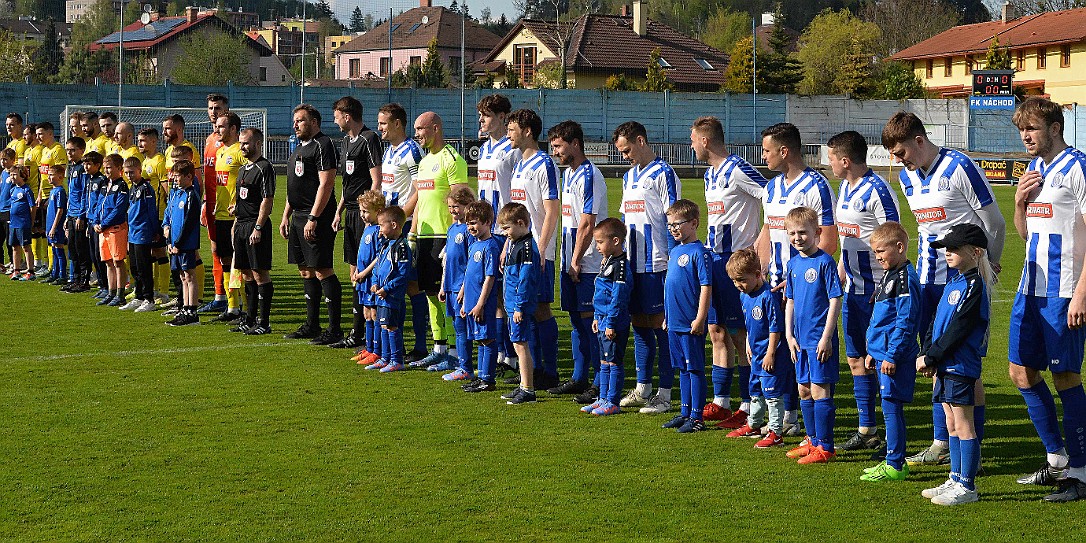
(437,318)
(162,278)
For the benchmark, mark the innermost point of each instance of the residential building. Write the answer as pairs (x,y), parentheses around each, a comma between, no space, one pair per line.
(1048,54)
(599,46)
(74,9)
(28,29)
(372,56)
(331,43)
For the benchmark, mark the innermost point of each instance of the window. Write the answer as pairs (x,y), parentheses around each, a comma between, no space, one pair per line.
(930,69)
(948,67)
(394,27)
(1065,56)
(968,64)
(704,64)
(1020,60)
(386,66)
(524,62)
(414,27)
(354,70)
(416,61)
(263,73)
(1042,57)
(454,66)
(663,63)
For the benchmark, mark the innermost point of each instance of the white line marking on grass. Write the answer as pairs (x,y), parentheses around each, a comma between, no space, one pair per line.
(182,350)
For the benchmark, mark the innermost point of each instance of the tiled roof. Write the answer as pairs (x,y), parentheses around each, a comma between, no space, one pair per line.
(138,36)
(30,26)
(1051,28)
(409,32)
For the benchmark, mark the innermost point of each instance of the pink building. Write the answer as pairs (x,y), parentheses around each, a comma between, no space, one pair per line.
(367,56)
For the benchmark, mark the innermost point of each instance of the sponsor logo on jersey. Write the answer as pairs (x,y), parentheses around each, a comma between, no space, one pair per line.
(299,167)
(222,178)
(424,184)
(229,160)
(775,223)
(756,313)
(684,260)
(518,195)
(487,175)
(388,177)
(567,210)
(243,193)
(810,275)
(633,206)
(954,296)
(930,214)
(349,166)
(849,230)
(1038,210)
(716,208)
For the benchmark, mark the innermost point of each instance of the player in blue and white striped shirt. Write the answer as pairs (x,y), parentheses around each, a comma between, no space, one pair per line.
(496,155)
(1047,321)
(943,188)
(864,202)
(649,188)
(584,205)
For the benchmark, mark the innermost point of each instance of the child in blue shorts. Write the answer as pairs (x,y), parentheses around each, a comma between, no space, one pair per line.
(55,215)
(952,352)
(457,241)
(521,285)
(771,364)
(22,207)
(7,160)
(478,294)
(390,274)
(812,304)
(891,343)
(688,289)
(181,228)
(366,331)
(611,318)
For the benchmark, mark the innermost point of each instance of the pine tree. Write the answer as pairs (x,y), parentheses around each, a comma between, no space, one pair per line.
(855,70)
(739,76)
(434,75)
(998,57)
(655,76)
(357,21)
(780,70)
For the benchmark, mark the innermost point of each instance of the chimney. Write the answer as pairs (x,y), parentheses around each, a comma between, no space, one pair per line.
(768,19)
(624,11)
(640,22)
(426,3)
(191,13)
(1009,13)
(155,15)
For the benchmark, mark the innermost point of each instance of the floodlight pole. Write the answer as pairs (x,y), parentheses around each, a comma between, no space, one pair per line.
(120,53)
(301,91)
(754,75)
(463,63)
(388,74)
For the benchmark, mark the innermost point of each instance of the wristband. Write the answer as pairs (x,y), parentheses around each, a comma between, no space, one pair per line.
(311,217)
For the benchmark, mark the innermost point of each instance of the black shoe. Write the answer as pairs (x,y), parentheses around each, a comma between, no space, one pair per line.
(303,332)
(242,328)
(587,396)
(511,394)
(471,383)
(501,367)
(185,319)
(546,382)
(79,288)
(327,337)
(415,356)
(514,380)
(67,287)
(258,330)
(569,387)
(879,455)
(1046,475)
(676,422)
(523,397)
(239,319)
(860,441)
(347,342)
(105,301)
(226,316)
(1070,490)
(482,386)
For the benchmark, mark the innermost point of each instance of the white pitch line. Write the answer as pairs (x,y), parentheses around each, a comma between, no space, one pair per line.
(182,350)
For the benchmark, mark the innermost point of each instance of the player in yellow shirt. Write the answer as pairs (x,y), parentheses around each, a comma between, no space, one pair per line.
(124,136)
(108,122)
(228,162)
(173,132)
(75,125)
(96,140)
(14,125)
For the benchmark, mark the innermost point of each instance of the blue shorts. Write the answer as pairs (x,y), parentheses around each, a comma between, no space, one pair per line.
(687,351)
(60,239)
(545,294)
(390,316)
(19,237)
(773,386)
(1040,338)
(901,384)
(614,350)
(954,390)
(647,295)
(184,261)
(810,370)
(452,307)
(856,317)
(724,306)
(929,301)
(522,331)
(488,329)
(577,297)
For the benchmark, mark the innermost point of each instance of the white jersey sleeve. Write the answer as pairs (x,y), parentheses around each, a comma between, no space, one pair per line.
(647,193)
(584,190)
(860,210)
(733,194)
(811,190)
(1056,239)
(399,167)
(535,180)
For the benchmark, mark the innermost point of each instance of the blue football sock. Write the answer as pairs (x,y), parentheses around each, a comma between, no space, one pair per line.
(534,344)
(488,360)
(663,350)
(1074,425)
(938,422)
(463,344)
(420,320)
(893,414)
(386,345)
(955,458)
(644,353)
(791,399)
(684,392)
(615,374)
(395,341)
(367,341)
(548,340)
(970,462)
(807,408)
(503,338)
(722,381)
(744,383)
(978,422)
(1041,408)
(864,387)
(581,341)
(697,392)
(826,414)
(605,381)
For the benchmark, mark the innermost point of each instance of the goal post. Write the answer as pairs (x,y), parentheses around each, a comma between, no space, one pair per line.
(197,126)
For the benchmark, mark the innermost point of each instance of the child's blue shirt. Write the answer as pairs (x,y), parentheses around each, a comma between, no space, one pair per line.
(812,283)
(368,248)
(483,260)
(20,199)
(763,315)
(5,191)
(689,267)
(958,337)
(77,191)
(456,255)
(58,205)
(96,185)
(611,301)
(521,279)
(113,208)
(892,334)
(143,225)
(183,218)
(391,272)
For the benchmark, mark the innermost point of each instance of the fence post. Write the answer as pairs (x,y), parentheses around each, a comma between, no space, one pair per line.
(603,128)
(230,91)
(167,92)
(727,116)
(667,117)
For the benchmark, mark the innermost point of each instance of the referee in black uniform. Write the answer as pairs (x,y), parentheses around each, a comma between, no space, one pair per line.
(360,166)
(307,224)
(252,232)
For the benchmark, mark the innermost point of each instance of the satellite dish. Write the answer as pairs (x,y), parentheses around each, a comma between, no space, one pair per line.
(425,19)
(147,8)
(145,18)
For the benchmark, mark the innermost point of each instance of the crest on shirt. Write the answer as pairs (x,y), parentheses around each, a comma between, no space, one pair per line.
(299,167)
(478,256)
(954,296)
(859,205)
(368,238)
(229,161)
(18,196)
(243,192)
(349,166)
(115,188)
(1057,181)
(609,269)
(181,205)
(944,183)
(889,287)
(810,275)
(684,260)
(460,239)
(756,313)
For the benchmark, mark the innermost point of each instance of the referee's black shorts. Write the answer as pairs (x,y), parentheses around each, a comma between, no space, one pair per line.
(224,246)
(248,256)
(352,234)
(316,254)
(428,263)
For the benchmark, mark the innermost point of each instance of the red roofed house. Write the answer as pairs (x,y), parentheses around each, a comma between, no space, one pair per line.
(604,45)
(367,56)
(1048,53)
(161,42)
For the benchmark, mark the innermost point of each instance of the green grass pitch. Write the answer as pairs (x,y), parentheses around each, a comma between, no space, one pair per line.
(115,427)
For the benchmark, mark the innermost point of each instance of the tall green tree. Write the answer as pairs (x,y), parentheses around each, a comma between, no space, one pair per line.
(854,75)
(99,21)
(778,68)
(739,75)
(826,43)
(998,56)
(358,22)
(434,75)
(15,64)
(81,66)
(897,81)
(655,76)
(213,60)
(725,28)
(49,55)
